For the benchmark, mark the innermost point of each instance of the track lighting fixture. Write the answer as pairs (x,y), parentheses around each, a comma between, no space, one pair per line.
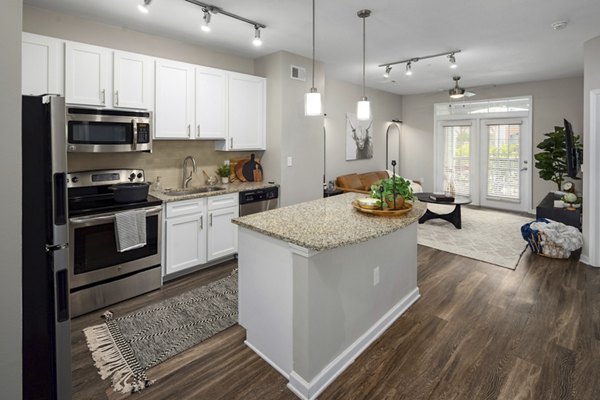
(205,25)
(386,74)
(257,41)
(143,8)
(363,107)
(209,9)
(409,61)
(312,99)
(452,60)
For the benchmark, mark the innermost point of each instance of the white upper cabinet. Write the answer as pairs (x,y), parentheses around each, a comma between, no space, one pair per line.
(42,65)
(174,106)
(87,75)
(211,103)
(246,113)
(133,76)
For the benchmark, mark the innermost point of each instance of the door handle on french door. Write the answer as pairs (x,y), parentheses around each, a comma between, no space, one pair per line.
(524,169)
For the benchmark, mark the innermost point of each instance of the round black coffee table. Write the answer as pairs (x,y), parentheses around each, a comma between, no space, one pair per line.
(452,217)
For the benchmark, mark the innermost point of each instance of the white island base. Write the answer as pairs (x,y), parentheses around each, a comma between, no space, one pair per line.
(311,314)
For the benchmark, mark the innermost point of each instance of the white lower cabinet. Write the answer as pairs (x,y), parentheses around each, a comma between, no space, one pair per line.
(185,235)
(199,231)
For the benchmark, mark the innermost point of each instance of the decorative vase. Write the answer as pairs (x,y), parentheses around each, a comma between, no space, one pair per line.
(224,179)
(390,202)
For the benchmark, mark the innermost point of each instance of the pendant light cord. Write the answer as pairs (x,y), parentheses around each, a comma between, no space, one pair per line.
(313,43)
(364,51)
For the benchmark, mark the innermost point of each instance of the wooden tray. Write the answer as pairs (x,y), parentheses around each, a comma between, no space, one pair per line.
(385,212)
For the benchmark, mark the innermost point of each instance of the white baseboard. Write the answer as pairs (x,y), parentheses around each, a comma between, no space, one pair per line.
(310,390)
(267,359)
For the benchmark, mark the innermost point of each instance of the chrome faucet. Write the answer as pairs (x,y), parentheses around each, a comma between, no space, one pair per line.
(187,179)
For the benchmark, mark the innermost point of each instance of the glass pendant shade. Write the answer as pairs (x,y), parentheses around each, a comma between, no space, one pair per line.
(363,110)
(312,103)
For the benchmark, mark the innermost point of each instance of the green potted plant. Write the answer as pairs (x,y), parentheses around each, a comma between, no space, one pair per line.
(398,184)
(552,160)
(224,171)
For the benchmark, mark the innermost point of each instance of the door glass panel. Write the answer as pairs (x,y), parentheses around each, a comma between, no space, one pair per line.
(100,132)
(457,158)
(503,177)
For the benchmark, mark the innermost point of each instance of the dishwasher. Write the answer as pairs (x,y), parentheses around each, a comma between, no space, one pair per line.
(258,200)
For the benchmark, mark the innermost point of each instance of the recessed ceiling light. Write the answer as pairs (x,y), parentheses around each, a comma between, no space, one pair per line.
(559,25)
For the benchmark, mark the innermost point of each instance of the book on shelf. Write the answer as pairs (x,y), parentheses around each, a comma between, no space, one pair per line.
(441,197)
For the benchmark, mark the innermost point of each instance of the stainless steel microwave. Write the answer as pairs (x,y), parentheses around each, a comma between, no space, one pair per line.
(106,131)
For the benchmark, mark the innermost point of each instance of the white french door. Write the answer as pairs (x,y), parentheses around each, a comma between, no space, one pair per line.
(487,160)
(505,175)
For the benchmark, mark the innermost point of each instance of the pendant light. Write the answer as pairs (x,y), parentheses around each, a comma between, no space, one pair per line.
(312,99)
(363,107)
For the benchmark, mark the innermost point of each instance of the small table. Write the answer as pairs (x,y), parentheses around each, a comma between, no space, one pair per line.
(452,217)
(332,192)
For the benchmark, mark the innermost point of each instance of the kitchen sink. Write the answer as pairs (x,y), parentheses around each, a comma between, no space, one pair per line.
(184,192)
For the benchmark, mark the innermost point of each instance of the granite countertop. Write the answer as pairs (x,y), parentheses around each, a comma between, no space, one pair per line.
(234,187)
(327,223)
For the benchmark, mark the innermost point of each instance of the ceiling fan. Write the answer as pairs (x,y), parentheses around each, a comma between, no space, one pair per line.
(457,92)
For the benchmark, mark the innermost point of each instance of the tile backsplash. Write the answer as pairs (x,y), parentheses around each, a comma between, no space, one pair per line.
(165,160)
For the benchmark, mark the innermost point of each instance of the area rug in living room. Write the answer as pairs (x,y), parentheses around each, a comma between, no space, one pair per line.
(124,348)
(486,235)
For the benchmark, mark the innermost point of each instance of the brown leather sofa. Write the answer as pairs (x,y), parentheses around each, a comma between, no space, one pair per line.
(359,183)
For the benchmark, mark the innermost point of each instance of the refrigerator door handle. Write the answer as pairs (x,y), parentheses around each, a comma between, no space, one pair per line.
(62,295)
(60,200)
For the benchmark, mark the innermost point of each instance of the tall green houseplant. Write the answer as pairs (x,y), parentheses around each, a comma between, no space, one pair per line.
(552,160)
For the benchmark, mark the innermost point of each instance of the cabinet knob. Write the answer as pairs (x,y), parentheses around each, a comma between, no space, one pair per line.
(103,96)
(210,219)
(201,222)
(116,97)
(231,143)
(189,129)
(198,131)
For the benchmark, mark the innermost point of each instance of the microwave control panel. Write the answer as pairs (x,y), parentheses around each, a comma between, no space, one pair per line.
(143,131)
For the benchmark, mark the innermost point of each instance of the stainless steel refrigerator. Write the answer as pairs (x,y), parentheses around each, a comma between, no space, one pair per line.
(46,322)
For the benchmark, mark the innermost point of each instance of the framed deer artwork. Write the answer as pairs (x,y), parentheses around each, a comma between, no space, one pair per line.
(359,138)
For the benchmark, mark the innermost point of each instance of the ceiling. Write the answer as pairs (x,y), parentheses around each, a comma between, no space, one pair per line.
(502,42)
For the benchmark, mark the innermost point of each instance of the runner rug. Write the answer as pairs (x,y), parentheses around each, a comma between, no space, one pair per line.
(124,348)
(486,235)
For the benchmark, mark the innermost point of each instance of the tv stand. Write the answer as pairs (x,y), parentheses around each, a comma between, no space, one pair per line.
(547,210)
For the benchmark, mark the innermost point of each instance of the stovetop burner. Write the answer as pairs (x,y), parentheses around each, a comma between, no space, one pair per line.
(89,192)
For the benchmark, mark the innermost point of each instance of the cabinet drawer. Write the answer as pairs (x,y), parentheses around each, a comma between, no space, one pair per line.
(226,200)
(185,207)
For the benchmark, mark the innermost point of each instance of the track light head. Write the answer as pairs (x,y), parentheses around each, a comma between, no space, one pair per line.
(408,68)
(257,41)
(452,60)
(143,8)
(386,74)
(205,25)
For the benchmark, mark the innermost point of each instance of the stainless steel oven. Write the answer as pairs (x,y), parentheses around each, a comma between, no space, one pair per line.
(94,131)
(99,274)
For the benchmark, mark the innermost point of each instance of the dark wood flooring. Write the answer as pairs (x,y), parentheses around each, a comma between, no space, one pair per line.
(478,332)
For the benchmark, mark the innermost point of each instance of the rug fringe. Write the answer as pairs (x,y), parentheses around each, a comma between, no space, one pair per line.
(110,362)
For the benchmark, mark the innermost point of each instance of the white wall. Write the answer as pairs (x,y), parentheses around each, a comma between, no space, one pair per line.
(591,154)
(289,132)
(553,100)
(10,212)
(341,98)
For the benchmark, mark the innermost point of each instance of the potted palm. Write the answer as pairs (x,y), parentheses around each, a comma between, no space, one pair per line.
(397,186)
(223,171)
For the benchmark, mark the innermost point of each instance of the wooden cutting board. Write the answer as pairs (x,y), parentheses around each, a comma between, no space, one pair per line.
(249,170)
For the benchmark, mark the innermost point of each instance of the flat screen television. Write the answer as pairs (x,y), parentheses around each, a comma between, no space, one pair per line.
(574,155)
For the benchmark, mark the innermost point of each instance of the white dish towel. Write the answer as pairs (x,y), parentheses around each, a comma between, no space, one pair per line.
(130,230)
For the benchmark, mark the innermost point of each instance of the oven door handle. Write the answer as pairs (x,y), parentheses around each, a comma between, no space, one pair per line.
(109,217)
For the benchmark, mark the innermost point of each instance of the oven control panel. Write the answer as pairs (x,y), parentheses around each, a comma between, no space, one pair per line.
(104,177)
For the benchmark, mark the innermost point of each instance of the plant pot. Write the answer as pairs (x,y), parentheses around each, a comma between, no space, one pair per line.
(390,202)
(224,179)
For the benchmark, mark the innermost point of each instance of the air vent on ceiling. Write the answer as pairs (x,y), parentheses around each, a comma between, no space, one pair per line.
(297,73)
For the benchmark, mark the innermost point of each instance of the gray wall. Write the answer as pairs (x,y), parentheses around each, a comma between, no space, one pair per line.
(70,27)
(289,132)
(341,98)
(591,82)
(553,100)
(10,213)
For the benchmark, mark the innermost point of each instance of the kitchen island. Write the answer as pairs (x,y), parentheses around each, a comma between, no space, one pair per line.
(320,281)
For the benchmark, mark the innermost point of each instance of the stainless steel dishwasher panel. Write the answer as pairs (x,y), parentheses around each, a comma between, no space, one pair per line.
(258,200)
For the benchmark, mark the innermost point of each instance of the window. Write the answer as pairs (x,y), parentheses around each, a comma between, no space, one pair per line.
(457,156)
(503,161)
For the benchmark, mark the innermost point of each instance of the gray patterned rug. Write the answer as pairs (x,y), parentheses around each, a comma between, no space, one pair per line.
(486,235)
(124,348)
